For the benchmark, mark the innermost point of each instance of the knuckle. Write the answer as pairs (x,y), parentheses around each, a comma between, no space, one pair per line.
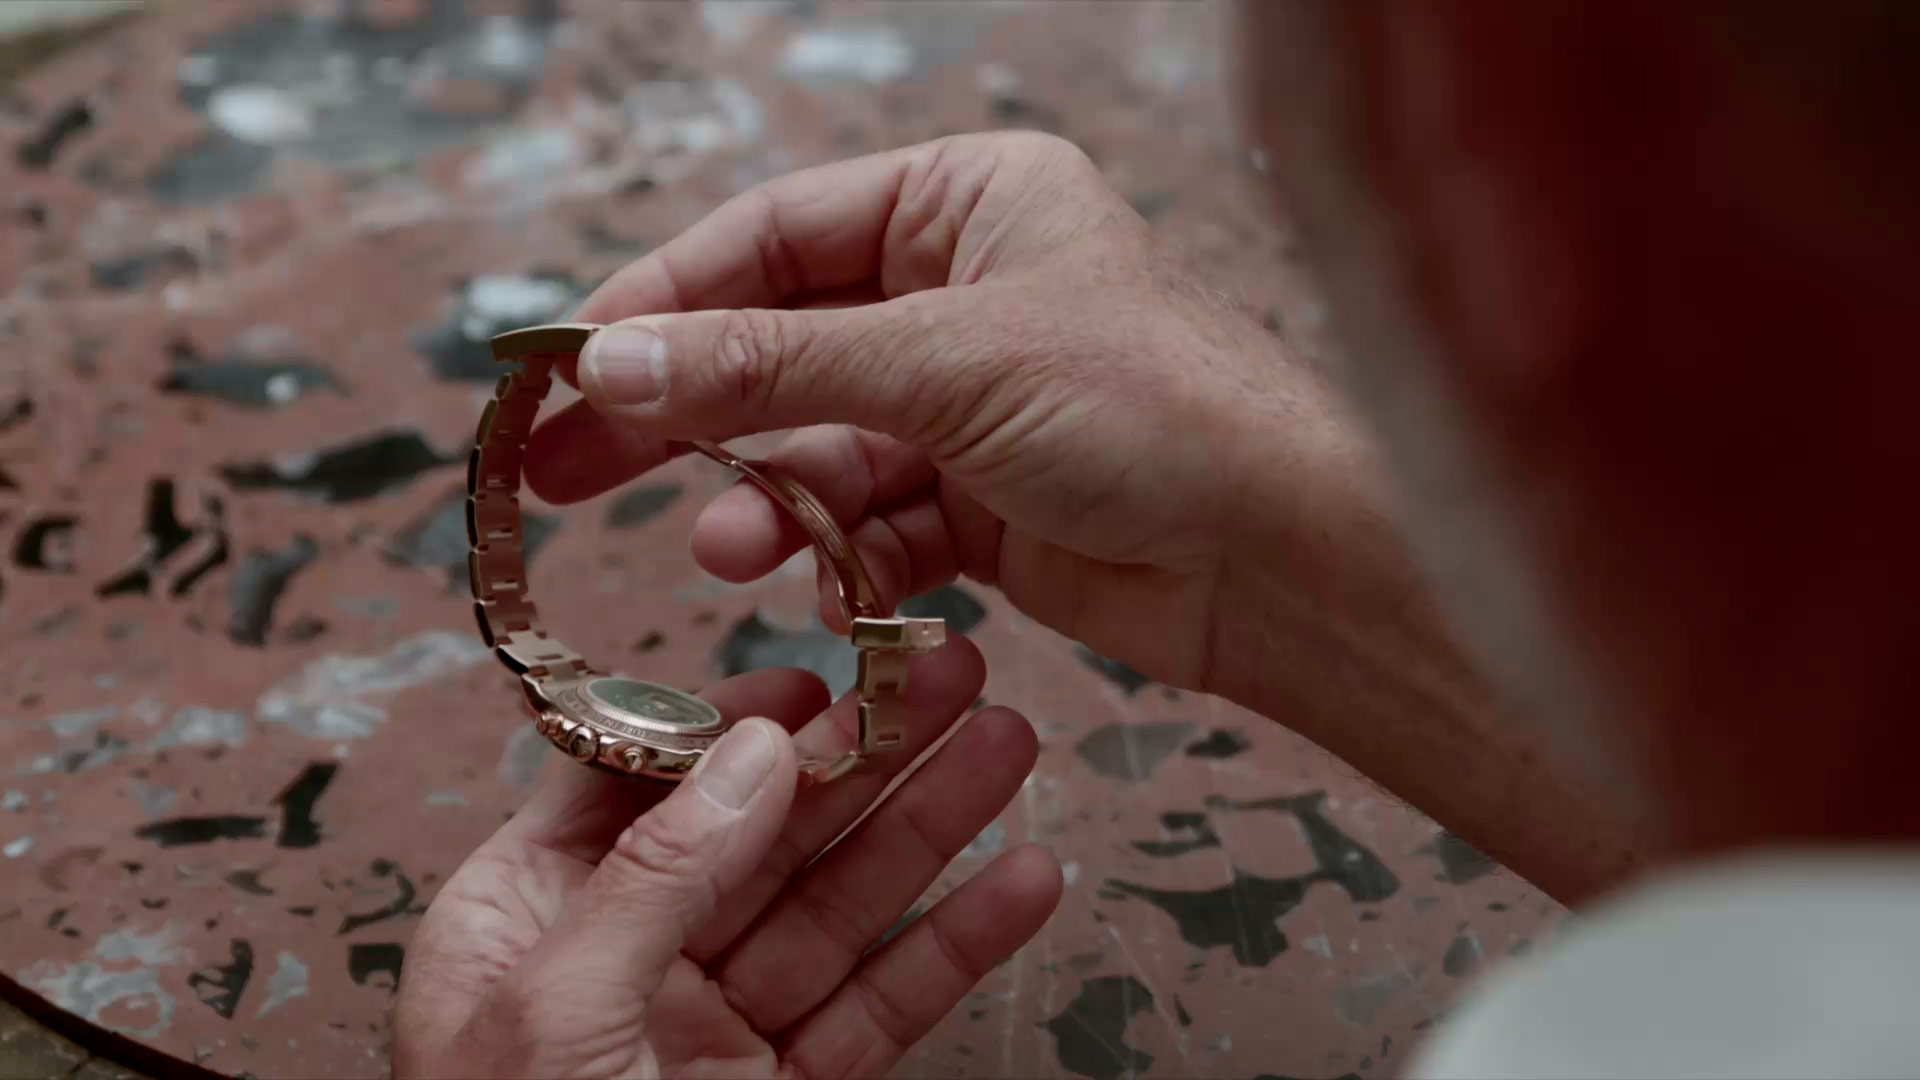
(780,264)
(655,851)
(1032,153)
(1023,143)
(965,146)
(1046,147)
(891,1021)
(838,916)
(966,968)
(929,830)
(750,355)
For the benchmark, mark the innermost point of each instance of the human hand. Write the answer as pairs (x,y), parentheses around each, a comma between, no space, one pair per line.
(610,929)
(1015,384)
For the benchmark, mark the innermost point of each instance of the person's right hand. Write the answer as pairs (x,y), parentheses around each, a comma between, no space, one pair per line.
(995,372)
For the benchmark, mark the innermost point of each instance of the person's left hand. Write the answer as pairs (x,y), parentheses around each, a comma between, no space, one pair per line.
(610,929)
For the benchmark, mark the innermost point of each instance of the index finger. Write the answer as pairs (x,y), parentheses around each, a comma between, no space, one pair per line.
(812,231)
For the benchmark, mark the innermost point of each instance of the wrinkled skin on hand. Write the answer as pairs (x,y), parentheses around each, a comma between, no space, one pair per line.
(611,929)
(995,371)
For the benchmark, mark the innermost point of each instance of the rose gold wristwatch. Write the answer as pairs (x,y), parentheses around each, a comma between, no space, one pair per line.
(622,724)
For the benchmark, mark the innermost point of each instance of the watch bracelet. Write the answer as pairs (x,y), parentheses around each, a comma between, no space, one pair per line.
(510,624)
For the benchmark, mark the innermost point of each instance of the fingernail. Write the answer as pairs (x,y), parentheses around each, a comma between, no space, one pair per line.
(732,771)
(628,362)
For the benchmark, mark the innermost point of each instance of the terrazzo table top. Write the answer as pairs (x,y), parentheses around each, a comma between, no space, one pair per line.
(252,257)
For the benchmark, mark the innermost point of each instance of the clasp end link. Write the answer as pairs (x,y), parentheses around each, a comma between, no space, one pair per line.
(899,634)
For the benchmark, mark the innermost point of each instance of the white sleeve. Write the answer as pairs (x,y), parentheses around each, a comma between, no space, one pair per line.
(1792,966)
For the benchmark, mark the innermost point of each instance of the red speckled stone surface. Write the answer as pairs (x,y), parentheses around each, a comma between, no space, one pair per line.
(251,257)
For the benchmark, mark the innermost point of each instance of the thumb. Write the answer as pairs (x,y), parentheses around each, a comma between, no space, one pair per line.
(722,374)
(666,875)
